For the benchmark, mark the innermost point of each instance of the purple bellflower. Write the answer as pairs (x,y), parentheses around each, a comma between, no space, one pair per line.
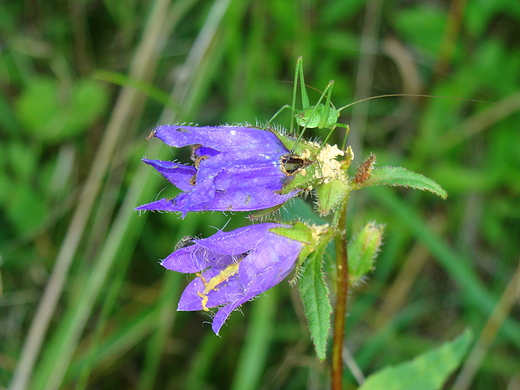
(235,169)
(232,267)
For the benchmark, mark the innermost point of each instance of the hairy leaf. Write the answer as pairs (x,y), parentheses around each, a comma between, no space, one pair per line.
(315,297)
(399,176)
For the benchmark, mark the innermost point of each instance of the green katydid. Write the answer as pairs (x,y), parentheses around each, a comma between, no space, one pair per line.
(324,116)
(321,116)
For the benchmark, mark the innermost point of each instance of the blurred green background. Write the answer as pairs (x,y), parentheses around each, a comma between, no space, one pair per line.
(85,303)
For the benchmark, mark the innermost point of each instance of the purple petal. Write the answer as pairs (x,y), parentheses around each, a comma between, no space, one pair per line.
(224,312)
(178,174)
(195,258)
(170,205)
(234,139)
(190,300)
(233,200)
(244,178)
(269,264)
(207,198)
(238,241)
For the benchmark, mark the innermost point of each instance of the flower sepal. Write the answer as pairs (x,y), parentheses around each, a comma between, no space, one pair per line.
(311,236)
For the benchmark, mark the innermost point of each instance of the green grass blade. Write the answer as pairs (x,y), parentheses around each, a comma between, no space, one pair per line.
(253,356)
(126,81)
(456,264)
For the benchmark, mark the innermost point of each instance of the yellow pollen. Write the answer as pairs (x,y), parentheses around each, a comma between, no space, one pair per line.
(215,281)
(330,167)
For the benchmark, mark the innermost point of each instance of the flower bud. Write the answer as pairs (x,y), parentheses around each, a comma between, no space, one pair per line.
(363,249)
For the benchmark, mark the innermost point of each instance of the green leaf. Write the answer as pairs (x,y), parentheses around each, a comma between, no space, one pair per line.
(315,298)
(431,21)
(399,176)
(25,207)
(38,104)
(52,112)
(89,101)
(426,372)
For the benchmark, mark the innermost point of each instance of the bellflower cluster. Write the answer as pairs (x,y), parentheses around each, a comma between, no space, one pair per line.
(235,169)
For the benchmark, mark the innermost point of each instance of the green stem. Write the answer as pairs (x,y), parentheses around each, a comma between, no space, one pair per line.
(341,299)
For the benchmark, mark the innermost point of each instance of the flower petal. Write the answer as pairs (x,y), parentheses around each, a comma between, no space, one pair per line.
(162,205)
(239,141)
(269,264)
(178,174)
(238,241)
(224,312)
(195,258)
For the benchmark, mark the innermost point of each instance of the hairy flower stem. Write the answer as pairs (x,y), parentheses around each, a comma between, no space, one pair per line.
(341,299)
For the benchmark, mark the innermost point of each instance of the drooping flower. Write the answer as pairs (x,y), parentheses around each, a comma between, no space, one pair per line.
(232,267)
(235,169)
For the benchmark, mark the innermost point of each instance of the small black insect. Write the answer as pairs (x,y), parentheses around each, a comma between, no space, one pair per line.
(292,164)
(185,242)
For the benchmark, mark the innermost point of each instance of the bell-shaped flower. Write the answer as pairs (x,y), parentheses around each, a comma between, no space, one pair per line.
(232,267)
(235,169)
